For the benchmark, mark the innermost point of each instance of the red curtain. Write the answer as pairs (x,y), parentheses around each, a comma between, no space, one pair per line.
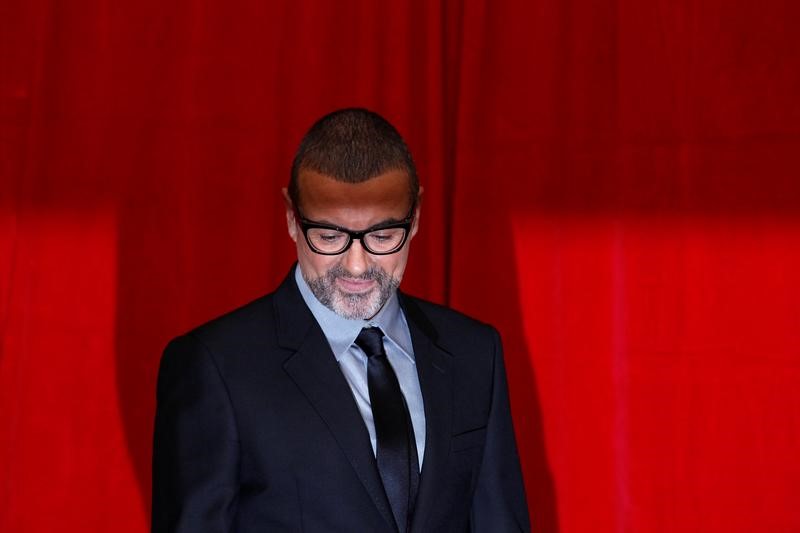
(615,185)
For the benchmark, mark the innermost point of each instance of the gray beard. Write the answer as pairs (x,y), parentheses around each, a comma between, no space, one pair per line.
(353,306)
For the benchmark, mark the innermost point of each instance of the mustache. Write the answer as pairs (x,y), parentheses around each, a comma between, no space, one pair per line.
(372,273)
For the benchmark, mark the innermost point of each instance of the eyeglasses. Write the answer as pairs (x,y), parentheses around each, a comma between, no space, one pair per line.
(383,239)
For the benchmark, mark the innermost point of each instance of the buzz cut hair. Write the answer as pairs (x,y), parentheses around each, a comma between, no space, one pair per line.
(352,145)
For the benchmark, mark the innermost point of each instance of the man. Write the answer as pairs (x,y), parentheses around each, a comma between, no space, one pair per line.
(337,403)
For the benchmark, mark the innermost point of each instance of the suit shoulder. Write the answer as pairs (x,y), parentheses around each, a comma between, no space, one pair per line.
(451,325)
(241,325)
(441,313)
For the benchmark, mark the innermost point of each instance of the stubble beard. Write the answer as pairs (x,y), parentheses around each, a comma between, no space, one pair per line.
(363,305)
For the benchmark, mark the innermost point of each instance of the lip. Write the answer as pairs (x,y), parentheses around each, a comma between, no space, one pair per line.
(355,286)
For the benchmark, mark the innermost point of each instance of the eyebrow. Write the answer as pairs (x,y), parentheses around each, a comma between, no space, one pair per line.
(379,225)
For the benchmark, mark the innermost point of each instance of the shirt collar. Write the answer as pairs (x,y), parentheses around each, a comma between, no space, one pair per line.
(341,332)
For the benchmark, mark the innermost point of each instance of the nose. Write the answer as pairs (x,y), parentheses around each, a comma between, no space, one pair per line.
(355,258)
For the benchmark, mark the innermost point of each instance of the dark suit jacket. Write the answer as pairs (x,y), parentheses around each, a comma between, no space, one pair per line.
(256,428)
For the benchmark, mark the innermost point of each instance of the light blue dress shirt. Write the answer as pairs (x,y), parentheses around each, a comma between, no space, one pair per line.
(341,334)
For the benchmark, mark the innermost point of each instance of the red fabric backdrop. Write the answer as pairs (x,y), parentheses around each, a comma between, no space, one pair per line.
(614,184)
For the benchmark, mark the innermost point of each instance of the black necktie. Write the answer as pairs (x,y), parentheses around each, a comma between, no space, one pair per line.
(397,450)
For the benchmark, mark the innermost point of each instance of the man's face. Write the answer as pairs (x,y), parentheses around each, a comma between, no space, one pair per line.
(356,283)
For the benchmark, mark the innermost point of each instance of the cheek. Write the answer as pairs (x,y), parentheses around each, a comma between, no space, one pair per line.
(313,264)
(397,265)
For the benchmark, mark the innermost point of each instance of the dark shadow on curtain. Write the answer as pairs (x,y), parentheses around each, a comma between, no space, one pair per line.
(146,300)
(525,400)
(185,256)
(494,296)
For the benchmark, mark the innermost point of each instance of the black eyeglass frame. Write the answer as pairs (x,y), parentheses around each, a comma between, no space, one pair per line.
(306,224)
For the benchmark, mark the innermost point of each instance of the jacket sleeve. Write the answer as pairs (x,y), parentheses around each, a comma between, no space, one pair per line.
(195,445)
(499,503)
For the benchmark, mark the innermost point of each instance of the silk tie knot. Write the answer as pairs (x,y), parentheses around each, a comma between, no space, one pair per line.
(371,341)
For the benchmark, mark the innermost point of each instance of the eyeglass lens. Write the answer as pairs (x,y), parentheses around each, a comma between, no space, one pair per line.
(331,241)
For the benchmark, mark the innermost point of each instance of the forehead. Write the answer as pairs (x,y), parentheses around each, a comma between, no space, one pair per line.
(354,205)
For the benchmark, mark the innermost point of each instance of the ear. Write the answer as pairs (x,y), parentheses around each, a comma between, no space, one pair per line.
(290,221)
(415,223)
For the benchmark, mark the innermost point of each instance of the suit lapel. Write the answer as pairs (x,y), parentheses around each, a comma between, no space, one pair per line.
(314,370)
(435,379)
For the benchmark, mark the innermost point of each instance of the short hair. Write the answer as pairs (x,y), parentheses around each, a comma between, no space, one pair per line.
(352,145)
